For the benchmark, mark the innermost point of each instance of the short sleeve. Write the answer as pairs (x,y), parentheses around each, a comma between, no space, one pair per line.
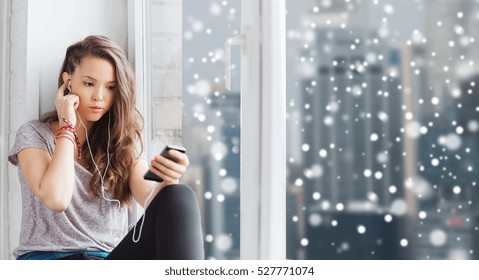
(28,136)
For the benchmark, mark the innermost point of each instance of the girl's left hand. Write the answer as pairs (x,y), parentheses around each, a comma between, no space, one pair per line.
(169,170)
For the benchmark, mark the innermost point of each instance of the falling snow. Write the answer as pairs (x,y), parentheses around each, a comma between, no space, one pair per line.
(382,121)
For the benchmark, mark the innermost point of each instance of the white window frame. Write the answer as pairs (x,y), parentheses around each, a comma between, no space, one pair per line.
(138,52)
(263,130)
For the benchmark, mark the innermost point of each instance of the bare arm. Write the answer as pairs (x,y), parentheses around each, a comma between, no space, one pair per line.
(52,179)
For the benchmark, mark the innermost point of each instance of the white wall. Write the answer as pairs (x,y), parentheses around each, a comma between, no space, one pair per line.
(4,85)
(40,32)
(16,77)
(53,25)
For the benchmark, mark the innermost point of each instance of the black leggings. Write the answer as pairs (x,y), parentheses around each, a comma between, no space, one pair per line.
(171,231)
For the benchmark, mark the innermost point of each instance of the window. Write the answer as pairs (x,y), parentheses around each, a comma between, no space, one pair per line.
(246,174)
(211,120)
(382,129)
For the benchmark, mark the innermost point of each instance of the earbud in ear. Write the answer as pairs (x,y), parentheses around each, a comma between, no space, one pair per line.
(69,87)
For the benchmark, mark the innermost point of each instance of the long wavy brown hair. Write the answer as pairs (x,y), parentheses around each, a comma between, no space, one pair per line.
(126,121)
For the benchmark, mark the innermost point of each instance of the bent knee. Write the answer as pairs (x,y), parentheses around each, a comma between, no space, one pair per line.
(178,192)
(180,189)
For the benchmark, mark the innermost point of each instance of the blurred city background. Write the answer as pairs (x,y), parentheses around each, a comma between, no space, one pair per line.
(382,127)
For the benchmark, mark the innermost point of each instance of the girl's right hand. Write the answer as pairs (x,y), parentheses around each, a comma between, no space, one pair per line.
(66,104)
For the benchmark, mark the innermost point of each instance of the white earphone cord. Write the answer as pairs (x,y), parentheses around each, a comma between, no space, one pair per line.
(144,215)
(102,178)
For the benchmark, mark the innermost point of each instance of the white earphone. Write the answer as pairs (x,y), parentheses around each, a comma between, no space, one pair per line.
(102,178)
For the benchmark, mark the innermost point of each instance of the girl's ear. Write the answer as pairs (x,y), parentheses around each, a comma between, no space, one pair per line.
(66,76)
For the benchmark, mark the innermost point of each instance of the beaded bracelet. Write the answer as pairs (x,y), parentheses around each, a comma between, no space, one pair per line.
(67,121)
(71,128)
(67,128)
(64,135)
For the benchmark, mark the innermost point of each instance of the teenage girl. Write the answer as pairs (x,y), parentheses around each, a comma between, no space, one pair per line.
(81,166)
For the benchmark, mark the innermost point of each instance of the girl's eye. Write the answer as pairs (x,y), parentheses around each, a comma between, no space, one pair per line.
(111,87)
(88,84)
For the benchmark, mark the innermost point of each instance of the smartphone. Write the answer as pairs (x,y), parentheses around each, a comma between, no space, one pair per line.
(153,177)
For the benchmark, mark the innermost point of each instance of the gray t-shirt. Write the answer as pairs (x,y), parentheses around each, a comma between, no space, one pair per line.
(88,224)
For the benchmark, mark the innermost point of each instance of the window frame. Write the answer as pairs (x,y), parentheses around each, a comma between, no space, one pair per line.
(263,140)
(137,53)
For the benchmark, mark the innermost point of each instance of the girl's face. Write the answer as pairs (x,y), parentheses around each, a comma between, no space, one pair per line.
(94,81)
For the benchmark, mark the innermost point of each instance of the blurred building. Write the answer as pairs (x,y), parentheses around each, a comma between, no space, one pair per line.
(448,156)
(352,171)
(451,28)
(331,14)
(211,120)
(343,241)
(353,163)
(375,117)
(222,176)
